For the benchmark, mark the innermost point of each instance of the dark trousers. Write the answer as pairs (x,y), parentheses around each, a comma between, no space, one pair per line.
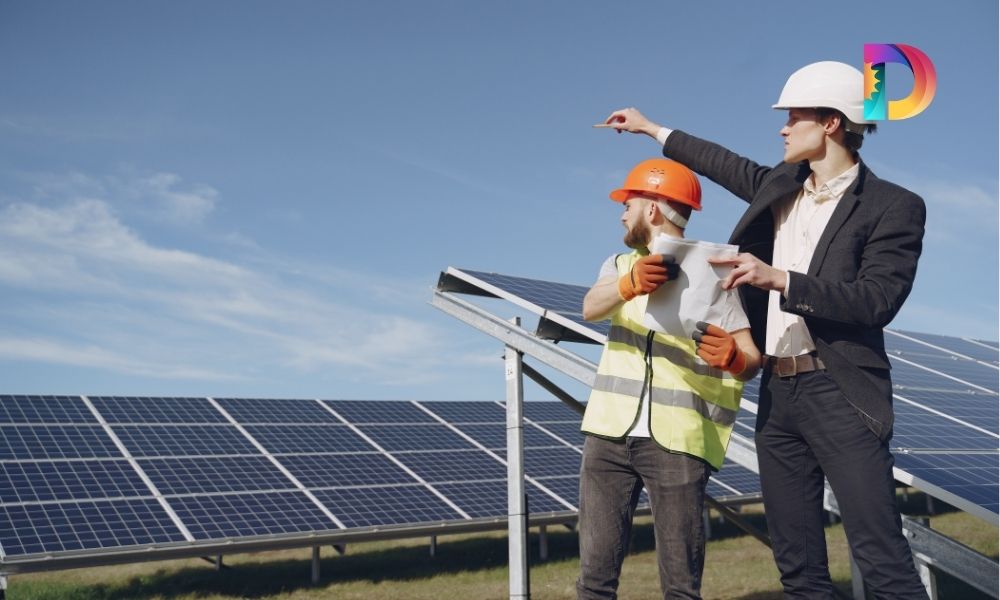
(612,475)
(806,428)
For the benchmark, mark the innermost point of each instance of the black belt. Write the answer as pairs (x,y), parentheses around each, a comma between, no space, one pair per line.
(788,366)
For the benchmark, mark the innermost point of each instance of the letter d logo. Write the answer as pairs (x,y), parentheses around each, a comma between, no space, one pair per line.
(924,82)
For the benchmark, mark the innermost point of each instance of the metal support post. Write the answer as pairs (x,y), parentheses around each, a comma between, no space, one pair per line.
(543,543)
(927,576)
(706,522)
(3,586)
(315,565)
(434,545)
(218,562)
(517,514)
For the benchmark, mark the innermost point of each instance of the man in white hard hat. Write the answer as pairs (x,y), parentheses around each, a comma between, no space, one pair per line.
(828,255)
(663,406)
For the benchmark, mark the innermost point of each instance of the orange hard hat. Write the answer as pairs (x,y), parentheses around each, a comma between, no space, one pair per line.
(661,177)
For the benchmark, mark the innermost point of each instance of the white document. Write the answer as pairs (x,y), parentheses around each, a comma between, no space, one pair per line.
(696,294)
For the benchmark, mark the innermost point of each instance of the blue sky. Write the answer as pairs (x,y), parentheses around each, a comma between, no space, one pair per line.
(255,198)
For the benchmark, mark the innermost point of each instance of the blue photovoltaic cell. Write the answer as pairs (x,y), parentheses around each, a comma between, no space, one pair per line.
(241,515)
(567,488)
(495,437)
(540,412)
(156,410)
(467,412)
(394,438)
(55,441)
(397,505)
(376,411)
(568,432)
(916,428)
(565,299)
(62,527)
(255,410)
(40,481)
(183,440)
(44,409)
(551,462)
(906,376)
(977,408)
(345,470)
(298,439)
(456,465)
(735,480)
(969,476)
(214,474)
(483,499)
(969,371)
(954,344)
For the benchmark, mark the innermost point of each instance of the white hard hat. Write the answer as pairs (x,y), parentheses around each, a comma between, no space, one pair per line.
(827,84)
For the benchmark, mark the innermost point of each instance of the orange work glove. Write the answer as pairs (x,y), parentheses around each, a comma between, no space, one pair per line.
(647,275)
(719,349)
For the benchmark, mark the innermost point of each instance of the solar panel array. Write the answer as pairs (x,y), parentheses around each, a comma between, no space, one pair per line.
(86,474)
(946,394)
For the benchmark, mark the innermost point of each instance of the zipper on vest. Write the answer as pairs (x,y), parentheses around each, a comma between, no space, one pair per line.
(647,384)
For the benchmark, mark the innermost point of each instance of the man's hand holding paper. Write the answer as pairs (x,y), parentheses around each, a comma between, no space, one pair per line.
(696,295)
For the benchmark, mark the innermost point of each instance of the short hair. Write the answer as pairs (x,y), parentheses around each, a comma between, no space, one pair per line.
(852,140)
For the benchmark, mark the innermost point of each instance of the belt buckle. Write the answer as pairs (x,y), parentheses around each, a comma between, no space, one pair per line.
(786,366)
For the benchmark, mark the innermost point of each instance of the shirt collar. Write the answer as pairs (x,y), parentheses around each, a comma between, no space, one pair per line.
(833,189)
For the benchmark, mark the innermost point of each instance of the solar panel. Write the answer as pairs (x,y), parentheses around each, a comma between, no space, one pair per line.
(43,481)
(386,412)
(489,498)
(461,465)
(243,515)
(156,410)
(183,440)
(976,350)
(55,441)
(298,439)
(44,409)
(391,505)
(946,388)
(69,526)
(345,470)
(468,412)
(215,474)
(276,411)
(493,437)
(397,437)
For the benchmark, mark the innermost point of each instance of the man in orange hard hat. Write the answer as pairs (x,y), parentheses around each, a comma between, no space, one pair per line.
(829,256)
(662,406)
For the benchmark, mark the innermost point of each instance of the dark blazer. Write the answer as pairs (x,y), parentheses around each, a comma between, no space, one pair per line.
(860,274)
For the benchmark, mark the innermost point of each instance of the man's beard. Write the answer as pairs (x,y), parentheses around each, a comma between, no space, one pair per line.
(638,236)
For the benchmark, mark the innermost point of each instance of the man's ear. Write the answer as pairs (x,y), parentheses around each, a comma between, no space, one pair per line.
(654,212)
(832,124)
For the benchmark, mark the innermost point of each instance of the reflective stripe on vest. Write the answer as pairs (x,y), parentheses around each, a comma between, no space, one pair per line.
(693,406)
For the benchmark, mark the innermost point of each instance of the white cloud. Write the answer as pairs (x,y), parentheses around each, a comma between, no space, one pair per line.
(93,292)
(61,352)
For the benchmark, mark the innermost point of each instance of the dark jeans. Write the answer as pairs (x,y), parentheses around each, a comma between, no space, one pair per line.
(806,428)
(612,475)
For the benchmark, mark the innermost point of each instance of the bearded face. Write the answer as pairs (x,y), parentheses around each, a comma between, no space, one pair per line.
(638,235)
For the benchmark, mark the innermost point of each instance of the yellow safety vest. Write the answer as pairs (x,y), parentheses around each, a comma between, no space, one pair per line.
(693,406)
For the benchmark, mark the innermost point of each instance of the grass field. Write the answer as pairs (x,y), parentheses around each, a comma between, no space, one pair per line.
(470,566)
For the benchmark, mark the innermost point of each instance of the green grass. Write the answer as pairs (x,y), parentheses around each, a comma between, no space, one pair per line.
(469,566)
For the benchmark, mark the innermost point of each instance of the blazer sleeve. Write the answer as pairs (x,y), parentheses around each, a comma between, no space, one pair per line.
(885,276)
(740,175)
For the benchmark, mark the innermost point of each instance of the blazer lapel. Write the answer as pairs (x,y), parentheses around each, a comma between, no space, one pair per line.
(840,214)
(781,186)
